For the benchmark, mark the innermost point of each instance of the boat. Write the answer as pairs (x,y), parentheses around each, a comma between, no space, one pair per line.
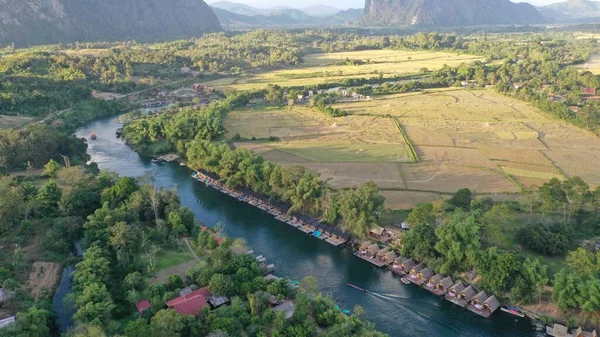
(356,287)
(93,136)
(158,160)
(513,311)
(405,280)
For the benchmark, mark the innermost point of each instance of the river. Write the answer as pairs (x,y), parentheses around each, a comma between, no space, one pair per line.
(411,311)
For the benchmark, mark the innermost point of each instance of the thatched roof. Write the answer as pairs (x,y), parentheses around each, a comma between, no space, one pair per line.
(377,230)
(408,264)
(559,330)
(382,252)
(445,283)
(426,273)
(491,303)
(418,268)
(373,249)
(365,245)
(399,260)
(390,256)
(479,298)
(435,279)
(457,288)
(578,332)
(468,293)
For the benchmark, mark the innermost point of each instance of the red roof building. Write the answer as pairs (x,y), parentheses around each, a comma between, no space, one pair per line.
(190,304)
(588,91)
(142,305)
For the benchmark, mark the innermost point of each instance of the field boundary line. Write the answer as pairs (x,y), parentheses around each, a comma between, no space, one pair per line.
(539,135)
(404,136)
(555,165)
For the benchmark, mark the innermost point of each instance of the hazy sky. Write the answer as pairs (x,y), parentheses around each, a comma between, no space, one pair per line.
(338,3)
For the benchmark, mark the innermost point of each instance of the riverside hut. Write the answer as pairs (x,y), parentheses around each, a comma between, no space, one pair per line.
(478,299)
(423,276)
(416,269)
(372,250)
(463,297)
(364,246)
(407,265)
(490,305)
(442,286)
(389,257)
(382,253)
(432,281)
(396,266)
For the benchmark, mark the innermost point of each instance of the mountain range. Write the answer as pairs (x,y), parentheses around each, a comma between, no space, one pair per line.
(287,17)
(572,11)
(449,12)
(30,22)
(242,9)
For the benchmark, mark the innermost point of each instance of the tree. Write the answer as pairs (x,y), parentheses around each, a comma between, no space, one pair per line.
(135,281)
(11,205)
(582,261)
(167,323)
(360,208)
(499,270)
(422,214)
(48,197)
(33,323)
(495,223)
(536,275)
(458,242)
(221,285)
(592,300)
(94,305)
(462,199)
(419,243)
(567,290)
(137,328)
(51,169)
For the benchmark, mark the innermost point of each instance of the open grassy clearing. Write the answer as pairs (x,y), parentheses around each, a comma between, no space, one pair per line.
(322,68)
(475,139)
(9,122)
(167,258)
(593,64)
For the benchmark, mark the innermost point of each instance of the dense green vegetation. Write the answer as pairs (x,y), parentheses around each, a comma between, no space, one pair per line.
(122,223)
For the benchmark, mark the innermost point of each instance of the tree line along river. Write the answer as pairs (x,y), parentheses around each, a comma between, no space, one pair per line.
(399,310)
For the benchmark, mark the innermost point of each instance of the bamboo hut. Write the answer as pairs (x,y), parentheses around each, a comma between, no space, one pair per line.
(389,257)
(364,246)
(491,304)
(479,298)
(440,286)
(433,281)
(425,274)
(407,265)
(372,250)
(455,290)
(467,294)
(416,269)
(382,253)
(396,266)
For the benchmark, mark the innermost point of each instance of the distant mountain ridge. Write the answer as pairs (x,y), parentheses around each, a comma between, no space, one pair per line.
(572,10)
(30,22)
(243,9)
(287,17)
(450,12)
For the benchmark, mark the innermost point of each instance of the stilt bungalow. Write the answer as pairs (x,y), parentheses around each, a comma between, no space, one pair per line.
(433,281)
(396,266)
(476,302)
(490,305)
(454,290)
(382,253)
(390,257)
(421,276)
(372,251)
(364,246)
(373,255)
(562,331)
(407,265)
(462,300)
(442,286)
(415,271)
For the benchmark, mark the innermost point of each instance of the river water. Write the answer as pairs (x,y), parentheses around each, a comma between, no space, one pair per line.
(410,311)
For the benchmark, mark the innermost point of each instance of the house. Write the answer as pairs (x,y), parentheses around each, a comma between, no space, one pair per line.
(364,246)
(588,91)
(372,250)
(455,290)
(382,253)
(442,286)
(191,304)
(574,108)
(407,265)
(287,308)
(7,321)
(518,85)
(491,304)
(185,69)
(142,306)
(557,330)
(397,264)
(432,281)
(479,298)
(416,269)
(592,99)
(425,274)
(389,257)
(405,226)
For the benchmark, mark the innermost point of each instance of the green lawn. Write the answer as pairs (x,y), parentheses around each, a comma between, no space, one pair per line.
(167,258)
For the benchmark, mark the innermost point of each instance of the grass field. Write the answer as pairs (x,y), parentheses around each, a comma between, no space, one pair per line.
(167,258)
(592,65)
(9,122)
(476,139)
(326,67)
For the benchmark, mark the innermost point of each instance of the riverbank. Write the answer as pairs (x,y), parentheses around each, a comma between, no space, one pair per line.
(413,313)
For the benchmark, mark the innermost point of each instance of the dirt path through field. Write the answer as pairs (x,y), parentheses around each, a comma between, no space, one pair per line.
(180,269)
(43,276)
